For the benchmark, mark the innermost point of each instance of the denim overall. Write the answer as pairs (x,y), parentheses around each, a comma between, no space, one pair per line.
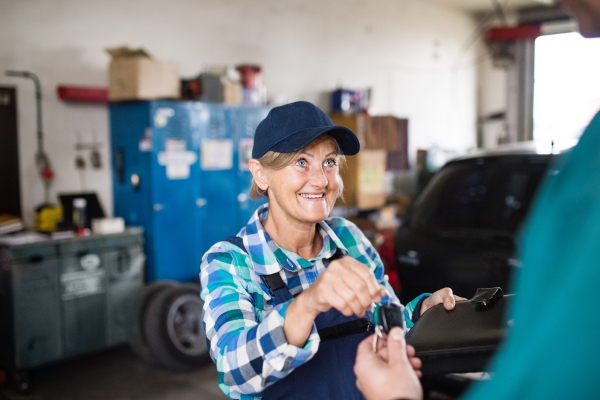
(329,374)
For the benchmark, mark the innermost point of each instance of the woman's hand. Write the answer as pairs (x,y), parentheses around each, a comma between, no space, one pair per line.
(391,373)
(346,285)
(444,296)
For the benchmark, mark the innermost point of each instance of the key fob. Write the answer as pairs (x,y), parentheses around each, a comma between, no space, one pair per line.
(390,315)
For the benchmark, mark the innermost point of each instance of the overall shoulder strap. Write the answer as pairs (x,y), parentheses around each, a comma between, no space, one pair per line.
(274,283)
(237,241)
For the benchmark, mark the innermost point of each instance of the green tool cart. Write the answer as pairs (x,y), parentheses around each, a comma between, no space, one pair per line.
(63,298)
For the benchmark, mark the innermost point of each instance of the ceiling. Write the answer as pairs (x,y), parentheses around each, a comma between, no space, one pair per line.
(477,6)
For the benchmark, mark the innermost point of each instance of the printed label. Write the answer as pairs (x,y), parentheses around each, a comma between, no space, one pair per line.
(82,283)
(177,163)
(216,155)
(246,146)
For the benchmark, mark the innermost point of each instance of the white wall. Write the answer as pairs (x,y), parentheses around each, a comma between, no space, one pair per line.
(406,50)
(493,85)
(492,99)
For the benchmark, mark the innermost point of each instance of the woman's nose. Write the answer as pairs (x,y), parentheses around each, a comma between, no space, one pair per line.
(318,178)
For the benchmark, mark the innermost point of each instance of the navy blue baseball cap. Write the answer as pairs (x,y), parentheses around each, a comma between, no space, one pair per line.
(293,126)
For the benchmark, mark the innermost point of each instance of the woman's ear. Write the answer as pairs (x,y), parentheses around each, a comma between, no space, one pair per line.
(259,174)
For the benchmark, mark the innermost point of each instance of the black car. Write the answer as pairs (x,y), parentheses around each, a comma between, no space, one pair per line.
(460,231)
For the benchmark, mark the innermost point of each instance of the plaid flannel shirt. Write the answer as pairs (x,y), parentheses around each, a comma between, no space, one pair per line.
(244,327)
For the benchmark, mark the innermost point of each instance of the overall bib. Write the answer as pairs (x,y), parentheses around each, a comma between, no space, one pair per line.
(329,375)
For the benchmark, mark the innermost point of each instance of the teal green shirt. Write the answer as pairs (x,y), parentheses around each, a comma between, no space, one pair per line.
(553,350)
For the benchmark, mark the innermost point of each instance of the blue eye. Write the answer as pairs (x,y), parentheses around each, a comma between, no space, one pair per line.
(301,163)
(330,163)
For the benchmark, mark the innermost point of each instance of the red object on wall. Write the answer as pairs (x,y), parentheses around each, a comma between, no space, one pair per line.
(82,94)
(47,174)
(512,33)
(251,76)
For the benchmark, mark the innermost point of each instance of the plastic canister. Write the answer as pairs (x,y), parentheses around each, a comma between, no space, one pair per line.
(80,216)
(251,76)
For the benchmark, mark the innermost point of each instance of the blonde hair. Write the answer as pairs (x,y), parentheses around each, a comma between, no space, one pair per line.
(278,161)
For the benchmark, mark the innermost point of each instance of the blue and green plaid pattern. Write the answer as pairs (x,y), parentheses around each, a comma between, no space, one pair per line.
(243,324)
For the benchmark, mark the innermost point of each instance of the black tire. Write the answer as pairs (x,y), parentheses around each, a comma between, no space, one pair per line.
(173,328)
(138,342)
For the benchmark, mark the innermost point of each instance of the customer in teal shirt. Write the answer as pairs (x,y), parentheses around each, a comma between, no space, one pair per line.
(553,349)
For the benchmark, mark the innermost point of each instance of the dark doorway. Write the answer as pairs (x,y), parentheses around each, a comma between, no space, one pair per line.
(10,193)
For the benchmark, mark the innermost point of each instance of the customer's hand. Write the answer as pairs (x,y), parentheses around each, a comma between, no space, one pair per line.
(346,285)
(444,296)
(389,373)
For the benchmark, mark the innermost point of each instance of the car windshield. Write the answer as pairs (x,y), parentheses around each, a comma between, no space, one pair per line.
(484,197)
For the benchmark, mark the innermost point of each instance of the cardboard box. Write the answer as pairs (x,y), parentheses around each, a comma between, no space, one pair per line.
(134,75)
(232,93)
(380,132)
(359,124)
(364,180)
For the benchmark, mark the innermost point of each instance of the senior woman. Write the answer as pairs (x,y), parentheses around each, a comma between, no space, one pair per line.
(288,299)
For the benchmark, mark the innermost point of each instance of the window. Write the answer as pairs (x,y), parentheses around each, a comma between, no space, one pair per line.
(566,88)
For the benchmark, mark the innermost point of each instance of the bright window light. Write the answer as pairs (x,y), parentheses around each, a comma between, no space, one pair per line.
(567,87)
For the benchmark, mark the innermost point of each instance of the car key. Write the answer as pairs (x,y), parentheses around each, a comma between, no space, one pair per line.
(386,317)
(390,315)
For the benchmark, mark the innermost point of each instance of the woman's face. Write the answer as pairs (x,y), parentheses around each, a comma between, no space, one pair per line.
(307,189)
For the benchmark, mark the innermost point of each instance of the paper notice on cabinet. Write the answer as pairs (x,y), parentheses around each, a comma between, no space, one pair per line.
(245,153)
(216,154)
(177,163)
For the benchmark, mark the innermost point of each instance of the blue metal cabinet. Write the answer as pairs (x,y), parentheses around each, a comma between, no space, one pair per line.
(177,173)
(216,205)
(245,121)
(175,188)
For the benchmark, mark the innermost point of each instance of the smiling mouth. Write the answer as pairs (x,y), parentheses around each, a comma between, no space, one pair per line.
(313,196)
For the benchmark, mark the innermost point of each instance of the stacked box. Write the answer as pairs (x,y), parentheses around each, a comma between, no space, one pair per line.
(364,183)
(134,75)
(386,137)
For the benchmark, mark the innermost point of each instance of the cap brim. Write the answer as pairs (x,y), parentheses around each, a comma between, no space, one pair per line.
(346,139)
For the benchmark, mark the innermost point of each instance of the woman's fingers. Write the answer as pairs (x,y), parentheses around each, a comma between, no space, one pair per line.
(336,301)
(348,286)
(449,301)
(444,296)
(368,277)
(350,298)
(359,287)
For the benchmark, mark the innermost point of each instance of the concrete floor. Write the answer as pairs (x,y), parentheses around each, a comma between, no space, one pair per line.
(117,374)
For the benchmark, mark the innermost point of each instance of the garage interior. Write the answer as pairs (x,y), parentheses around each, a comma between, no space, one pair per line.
(126,128)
